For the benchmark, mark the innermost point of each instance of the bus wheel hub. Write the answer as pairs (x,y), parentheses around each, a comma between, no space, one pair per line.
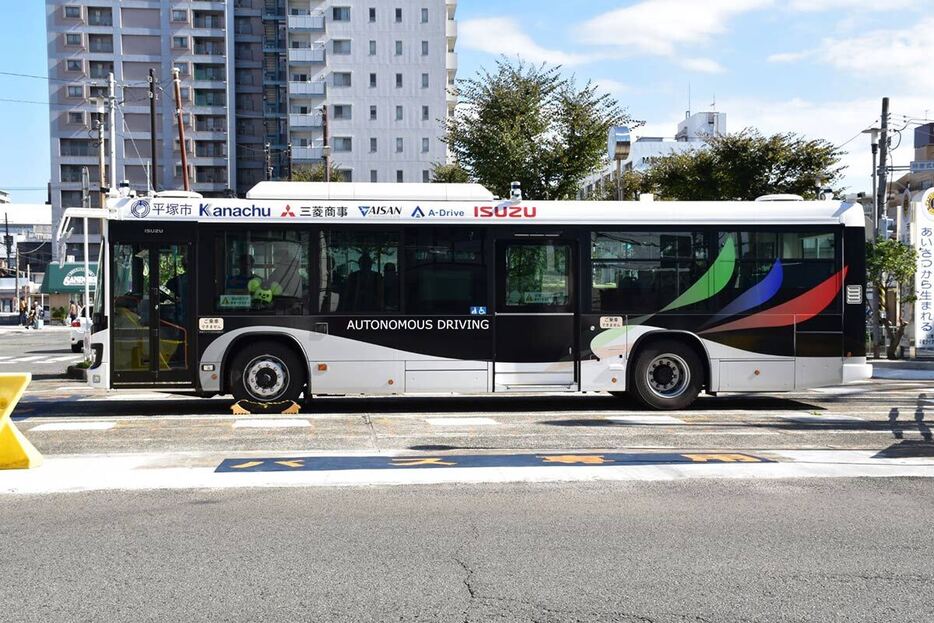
(668,375)
(266,378)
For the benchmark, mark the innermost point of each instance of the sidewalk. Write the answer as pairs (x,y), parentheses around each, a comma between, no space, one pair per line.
(903,370)
(10,328)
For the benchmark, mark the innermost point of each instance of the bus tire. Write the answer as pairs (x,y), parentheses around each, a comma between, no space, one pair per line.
(266,371)
(667,374)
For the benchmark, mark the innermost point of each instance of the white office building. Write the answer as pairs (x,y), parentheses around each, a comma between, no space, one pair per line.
(692,133)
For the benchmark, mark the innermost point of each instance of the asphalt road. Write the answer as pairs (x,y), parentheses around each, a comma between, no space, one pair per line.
(801,550)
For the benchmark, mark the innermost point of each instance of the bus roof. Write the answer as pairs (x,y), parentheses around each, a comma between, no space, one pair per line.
(311,202)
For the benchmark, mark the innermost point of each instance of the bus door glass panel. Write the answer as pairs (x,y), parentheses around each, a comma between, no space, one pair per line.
(131,308)
(174,307)
(535,313)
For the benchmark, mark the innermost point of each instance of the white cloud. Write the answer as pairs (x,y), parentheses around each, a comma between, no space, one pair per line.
(896,57)
(660,26)
(813,6)
(613,87)
(789,57)
(503,35)
(704,65)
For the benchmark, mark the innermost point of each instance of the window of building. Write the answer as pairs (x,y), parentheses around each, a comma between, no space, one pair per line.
(179,15)
(73,12)
(373,176)
(71,198)
(341,111)
(424,113)
(361,271)
(398,48)
(398,16)
(72,172)
(372,80)
(73,65)
(262,271)
(399,145)
(76,147)
(444,270)
(184,69)
(398,81)
(341,78)
(340,14)
(72,38)
(398,113)
(341,46)
(424,16)
(100,69)
(424,81)
(426,176)
(101,43)
(75,91)
(179,42)
(373,145)
(399,176)
(372,14)
(76,118)
(343,143)
(372,47)
(424,48)
(425,144)
(373,113)
(100,16)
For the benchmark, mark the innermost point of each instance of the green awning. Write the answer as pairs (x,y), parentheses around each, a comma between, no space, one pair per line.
(67,279)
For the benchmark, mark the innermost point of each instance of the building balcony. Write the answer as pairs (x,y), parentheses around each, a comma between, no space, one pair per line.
(450,29)
(305,120)
(451,60)
(307,153)
(314,22)
(306,55)
(308,87)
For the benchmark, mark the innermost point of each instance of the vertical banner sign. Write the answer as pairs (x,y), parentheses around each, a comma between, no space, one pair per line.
(924,277)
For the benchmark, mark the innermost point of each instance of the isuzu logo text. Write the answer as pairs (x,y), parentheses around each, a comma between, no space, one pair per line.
(504,211)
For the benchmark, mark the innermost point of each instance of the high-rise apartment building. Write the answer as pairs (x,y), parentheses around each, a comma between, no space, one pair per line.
(255,75)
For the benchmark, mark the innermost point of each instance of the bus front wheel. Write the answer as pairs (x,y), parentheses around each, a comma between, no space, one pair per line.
(667,374)
(266,372)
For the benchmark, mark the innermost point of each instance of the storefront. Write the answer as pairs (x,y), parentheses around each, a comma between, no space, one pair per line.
(64,284)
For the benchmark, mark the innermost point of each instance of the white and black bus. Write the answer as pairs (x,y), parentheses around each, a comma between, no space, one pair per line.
(316,289)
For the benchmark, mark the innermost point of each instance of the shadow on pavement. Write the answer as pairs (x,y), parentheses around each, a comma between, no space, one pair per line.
(907,450)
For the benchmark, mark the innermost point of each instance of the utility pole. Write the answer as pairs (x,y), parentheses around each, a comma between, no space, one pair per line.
(100,153)
(152,131)
(267,160)
(85,203)
(880,189)
(7,240)
(181,126)
(112,98)
(288,153)
(325,150)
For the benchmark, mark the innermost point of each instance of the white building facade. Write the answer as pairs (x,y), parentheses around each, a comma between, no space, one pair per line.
(692,133)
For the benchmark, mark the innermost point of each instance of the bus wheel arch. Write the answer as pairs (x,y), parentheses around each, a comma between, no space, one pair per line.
(278,358)
(686,350)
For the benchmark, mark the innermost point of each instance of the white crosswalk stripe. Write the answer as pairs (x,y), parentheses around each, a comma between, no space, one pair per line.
(39,359)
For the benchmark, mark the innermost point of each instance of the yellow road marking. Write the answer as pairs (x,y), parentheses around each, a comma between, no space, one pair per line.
(723,458)
(570,459)
(246,465)
(297,463)
(425,461)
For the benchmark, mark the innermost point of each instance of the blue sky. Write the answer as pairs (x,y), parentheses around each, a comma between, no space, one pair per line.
(817,67)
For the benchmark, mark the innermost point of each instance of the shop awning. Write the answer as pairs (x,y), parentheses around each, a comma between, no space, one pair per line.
(67,279)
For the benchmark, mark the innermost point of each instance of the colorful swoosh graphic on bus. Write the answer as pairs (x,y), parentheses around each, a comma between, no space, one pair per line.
(714,280)
(797,310)
(758,294)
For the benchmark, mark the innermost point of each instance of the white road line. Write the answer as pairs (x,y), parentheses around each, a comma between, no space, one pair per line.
(821,418)
(461,421)
(645,419)
(32,358)
(66,358)
(72,426)
(271,423)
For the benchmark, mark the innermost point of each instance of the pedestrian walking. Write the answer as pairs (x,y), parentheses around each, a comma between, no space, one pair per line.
(31,318)
(72,310)
(23,308)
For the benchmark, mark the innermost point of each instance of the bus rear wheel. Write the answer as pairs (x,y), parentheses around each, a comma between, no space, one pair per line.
(667,375)
(266,372)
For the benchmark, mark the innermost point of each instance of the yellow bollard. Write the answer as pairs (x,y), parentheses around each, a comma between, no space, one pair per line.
(15,450)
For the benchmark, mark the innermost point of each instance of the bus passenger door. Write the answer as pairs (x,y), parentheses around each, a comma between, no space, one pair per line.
(535,315)
(152,313)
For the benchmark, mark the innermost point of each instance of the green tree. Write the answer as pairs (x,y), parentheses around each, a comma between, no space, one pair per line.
(532,125)
(890,268)
(746,165)
(449,174)
(632,185)
(315,173)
